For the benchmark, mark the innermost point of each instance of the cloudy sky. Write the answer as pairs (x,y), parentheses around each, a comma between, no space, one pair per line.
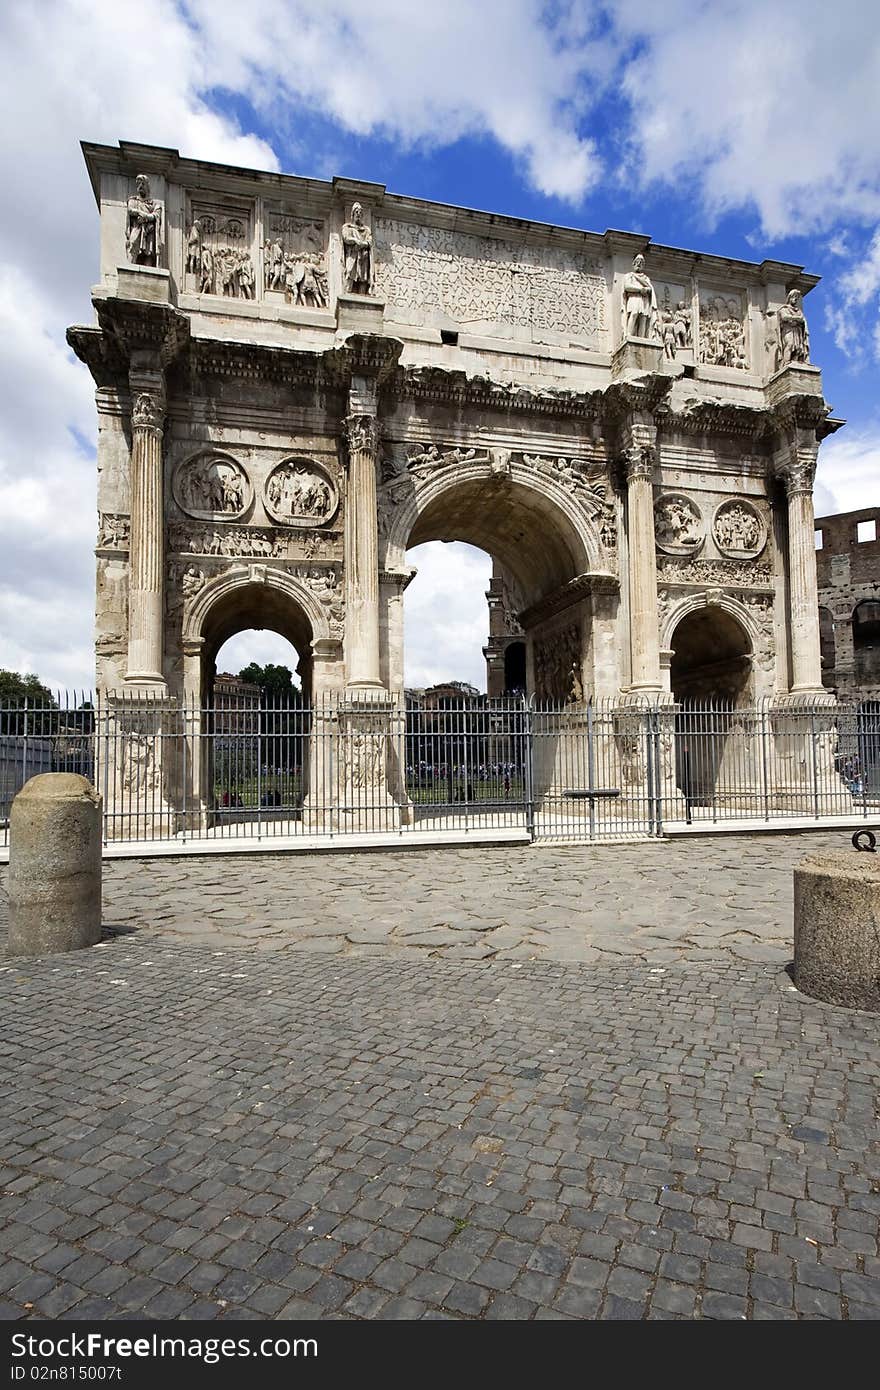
(749,128)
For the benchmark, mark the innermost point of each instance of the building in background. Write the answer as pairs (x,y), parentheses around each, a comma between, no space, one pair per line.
(848,574)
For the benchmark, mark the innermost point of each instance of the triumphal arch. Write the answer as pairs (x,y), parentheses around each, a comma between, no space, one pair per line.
(297,380)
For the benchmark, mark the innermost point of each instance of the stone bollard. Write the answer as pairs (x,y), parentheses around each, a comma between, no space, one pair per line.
(837,928)
(54,865)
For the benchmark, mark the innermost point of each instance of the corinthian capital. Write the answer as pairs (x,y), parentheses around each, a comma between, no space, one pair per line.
(147,411)
(638,461)
(361,433)
(799,472)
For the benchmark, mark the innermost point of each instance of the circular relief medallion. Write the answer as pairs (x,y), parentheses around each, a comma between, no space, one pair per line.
(299,492)
(739,530)
(212,487)
(678,524)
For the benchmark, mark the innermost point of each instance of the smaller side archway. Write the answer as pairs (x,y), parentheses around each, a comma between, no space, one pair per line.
(711,658)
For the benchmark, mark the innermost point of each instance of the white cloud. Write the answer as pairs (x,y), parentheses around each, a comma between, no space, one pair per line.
(424,74)
(773,104)
(848,476)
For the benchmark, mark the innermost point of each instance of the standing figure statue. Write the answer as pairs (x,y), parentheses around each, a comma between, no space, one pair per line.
(194,249)
(357,245)
(143,227)
(793,344)
(639,302)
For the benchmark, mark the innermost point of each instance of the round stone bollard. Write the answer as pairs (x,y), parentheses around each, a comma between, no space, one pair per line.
(54,866)
(837,928)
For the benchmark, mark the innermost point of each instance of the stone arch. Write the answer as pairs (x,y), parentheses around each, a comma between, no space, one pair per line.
(483,509)
(692,603)
(241,578)
(258,596)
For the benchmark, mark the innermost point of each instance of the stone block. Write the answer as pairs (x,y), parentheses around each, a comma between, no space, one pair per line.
(54,865)
(837,928)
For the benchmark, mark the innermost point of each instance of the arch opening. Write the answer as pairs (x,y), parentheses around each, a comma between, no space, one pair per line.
(257,722)
(711,659)
(711,675)
(538,545)
(866,641)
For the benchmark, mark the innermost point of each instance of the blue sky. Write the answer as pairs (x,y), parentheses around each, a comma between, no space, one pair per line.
(748,128)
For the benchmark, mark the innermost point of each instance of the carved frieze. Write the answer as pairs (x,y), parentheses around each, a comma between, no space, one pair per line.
(731,574)
(250,543)
(212,487)
(113,531)
(219,246)
(294,258)
(674,325)
(299,492)
(678,524)
(558,666)
(480,280)
(722,330)
(738,530)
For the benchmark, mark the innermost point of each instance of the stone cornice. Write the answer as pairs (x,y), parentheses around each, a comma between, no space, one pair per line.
(102,355)
(578,588)
(138,326)
(457,389)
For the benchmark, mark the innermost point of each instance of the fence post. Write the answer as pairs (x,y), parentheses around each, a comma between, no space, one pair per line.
(815,763)
(529,747)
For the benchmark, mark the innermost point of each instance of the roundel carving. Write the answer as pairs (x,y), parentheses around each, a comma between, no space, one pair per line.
(212,487)
(299,492)
(678,524)
(739,530)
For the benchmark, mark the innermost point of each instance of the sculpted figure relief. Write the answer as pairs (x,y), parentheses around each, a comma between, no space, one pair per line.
(293,261)
(357,245)
(639,302)
(212,485)
(678,526)
(217,255)
(722,332)
(298,491)
(738,529)
(791,342)
(558,667)
(113,531)
(143,226)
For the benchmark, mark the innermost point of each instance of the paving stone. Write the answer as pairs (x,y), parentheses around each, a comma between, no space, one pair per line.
(574,1138)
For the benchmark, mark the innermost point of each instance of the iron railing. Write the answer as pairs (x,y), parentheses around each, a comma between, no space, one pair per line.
(358,764)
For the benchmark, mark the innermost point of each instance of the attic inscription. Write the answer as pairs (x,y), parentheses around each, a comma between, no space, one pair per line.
(479,280)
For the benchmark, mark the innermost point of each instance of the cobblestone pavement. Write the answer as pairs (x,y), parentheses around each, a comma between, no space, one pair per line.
(193,1127)
(664,901)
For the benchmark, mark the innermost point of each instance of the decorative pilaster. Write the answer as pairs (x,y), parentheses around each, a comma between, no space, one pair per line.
(361,554)
(146,560)
(798,471)
(642,562)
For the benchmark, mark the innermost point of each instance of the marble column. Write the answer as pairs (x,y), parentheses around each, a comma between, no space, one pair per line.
(361,555)
(798,472)
(642,568)
(146,560)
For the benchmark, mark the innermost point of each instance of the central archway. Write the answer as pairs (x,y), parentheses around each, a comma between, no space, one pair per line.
(547,543)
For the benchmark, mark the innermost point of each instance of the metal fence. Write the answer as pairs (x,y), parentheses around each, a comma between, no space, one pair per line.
(355,765)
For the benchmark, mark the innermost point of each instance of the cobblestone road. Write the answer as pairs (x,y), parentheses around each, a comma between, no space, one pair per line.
(681,899)
(193,1127)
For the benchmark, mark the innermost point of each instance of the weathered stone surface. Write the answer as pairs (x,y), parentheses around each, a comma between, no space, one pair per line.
(837,928)
(54,866)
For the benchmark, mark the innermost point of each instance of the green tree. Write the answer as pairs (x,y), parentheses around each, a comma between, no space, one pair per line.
(15,689)
(275,682)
